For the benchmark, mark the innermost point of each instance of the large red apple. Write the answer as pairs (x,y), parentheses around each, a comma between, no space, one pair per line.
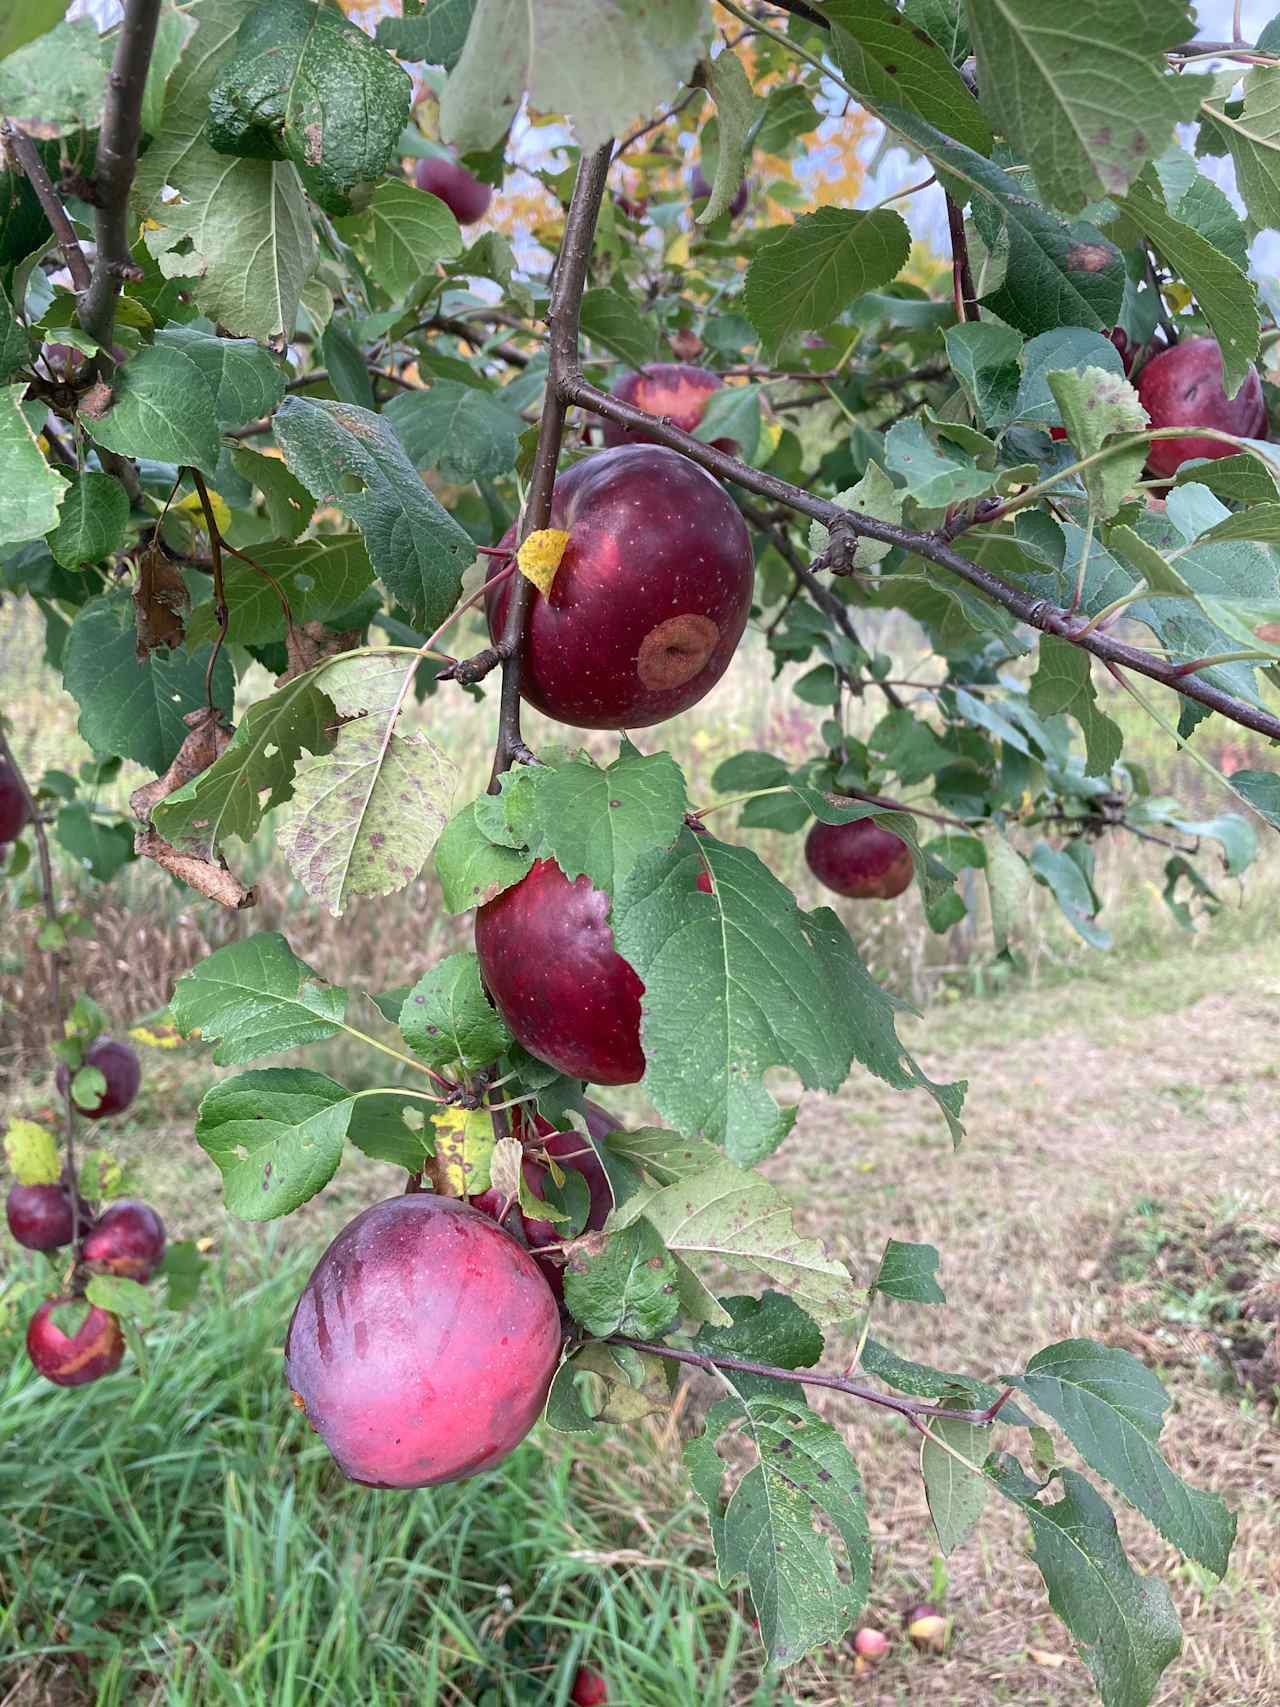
(14,811)
(859,859)
(651,596)
(674,392)
(91,1350)
(548,961)
(423,1344)
(127,1239)
(118,1065)
(461,191)
(1182,387)
(40,1216)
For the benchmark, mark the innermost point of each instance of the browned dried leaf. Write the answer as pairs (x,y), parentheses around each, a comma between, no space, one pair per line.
(309,644)
(206,877)
(207,741)
(159,597)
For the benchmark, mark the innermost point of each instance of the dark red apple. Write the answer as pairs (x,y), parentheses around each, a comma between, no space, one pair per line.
(589,1688)
(121,1069)
(547,958)
(651,596)
(40,1216)
(635,207)
(673,391)
(859,859)
(1182,387)
(127,1239)
(423,1344)
(94,1349)
(700,190)
(461,191)
(14,811)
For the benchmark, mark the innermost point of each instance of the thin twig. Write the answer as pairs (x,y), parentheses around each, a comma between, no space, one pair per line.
(27,155)
(815,1378)
(562,316)
(114,166)
(966,298)
(221,614)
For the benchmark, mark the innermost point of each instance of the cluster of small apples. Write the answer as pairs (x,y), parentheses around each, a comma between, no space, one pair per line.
(69,1341)
(927,1631)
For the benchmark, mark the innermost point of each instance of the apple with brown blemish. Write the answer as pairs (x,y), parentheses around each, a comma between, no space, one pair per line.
(127,1240)
(1182,387)
(71,1342)
(651,596)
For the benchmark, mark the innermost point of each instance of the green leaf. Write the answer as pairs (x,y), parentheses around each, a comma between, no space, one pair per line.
(240,228)
(1054,352)
(606,67)
(1094,405)
(1009,883)
(1262,790)
(471,868)
(749,770)
(618,323)
(352,459)
(733,412)
(874,495)
(30,491)
(922,1382)
(401,234)
(1124,1625)
(93,521)
(276,1137)
(226,800)
(123,1297)
(288,503)
(133,707)
(22,21)
(15,344)
(735,109)
(1057,274)
(1111,1408)
(909,1273)
(182,1269)
(1063,682)
(739,981)
(1198,202)
(1084,106)
(776,1529)
(436,36)
(1225,294)
(737,1219)
(101,849)
(447,1017)
(464,433)
(624,1283)
(1063,877)
(347,369)
(322,578)
(1253,137)
(984,357)
(603,821)
(246,383)
(162,409)
(957,1497)
(173,31)
(890,63)
(804,277)
(788,115)
(933,478)
(378,1129)
(255,998)
(306,84)
(59,79)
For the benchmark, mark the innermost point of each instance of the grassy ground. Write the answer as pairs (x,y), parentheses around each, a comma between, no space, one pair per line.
(182,1539)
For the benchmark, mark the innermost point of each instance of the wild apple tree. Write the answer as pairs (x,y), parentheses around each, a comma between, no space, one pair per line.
(279,442)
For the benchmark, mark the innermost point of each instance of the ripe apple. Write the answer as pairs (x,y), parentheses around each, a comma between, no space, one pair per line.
(548,961)
(870,1644)
(673,391)
(589,1688)
(859,859)
(71,1359)
(423,1344)
(461,191)
(40,1216)
(127,1239)
(121,1069)
(1182,386)
(700,191)
(14,811)
(651,596)
(927,1628)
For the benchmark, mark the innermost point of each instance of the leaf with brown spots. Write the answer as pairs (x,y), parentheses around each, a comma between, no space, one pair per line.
(159,598)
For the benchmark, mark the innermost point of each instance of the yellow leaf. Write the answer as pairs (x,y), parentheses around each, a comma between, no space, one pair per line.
(193,509)
(539,556)
(464,1146)
(1177,296)
(770,439)
(32,1153)
(678,253)
(162,1035)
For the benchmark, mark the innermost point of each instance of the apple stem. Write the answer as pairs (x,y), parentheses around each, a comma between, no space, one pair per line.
(909,1408)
